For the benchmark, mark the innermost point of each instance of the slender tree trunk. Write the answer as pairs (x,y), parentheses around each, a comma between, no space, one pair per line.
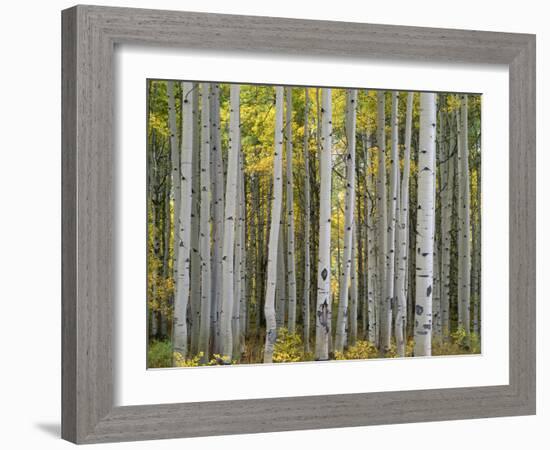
(226,335)
(353,291)
(436,302)
(259,292)
(436,296)
(180,317)
(425,226)
(476,268)
(464,220)
(383,224)
(153,201)
(195,212)
(291,259)
(271,325)
(206,288)
(167,227)
(323,310)
(243,310)
(476,252)
(239,244)
(351,108)
(403,233)
(217,211)
(446,226)
(371,246)
(307,227)
(281,296)
(361,236)
(391,222)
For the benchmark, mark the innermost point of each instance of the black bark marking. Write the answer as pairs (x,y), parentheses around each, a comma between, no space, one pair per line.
(322,314)
(419,310)
(429,291)
(324,274)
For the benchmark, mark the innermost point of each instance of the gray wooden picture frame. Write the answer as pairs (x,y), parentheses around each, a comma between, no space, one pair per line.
(90,34)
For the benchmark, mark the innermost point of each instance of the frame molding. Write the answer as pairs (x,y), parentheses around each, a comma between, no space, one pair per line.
(89,36)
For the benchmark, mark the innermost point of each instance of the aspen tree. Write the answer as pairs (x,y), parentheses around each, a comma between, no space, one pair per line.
(342,319)
(276,206)
(425,226)
(226,335)
(323,315)
(353,291)
(217,209)
(464,220)
(446,225)
(182,236)
(291,258)
(307,226)
(195,210)
(384,321)
(238,286)
(371,247)
(403,233)
(391,221)
(206,291)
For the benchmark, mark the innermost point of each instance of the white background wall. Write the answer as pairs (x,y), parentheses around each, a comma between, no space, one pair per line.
(30,208)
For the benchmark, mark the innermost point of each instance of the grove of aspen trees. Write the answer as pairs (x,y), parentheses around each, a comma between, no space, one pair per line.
(289,224)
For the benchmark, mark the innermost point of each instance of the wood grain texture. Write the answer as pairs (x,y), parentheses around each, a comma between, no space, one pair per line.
(89,198)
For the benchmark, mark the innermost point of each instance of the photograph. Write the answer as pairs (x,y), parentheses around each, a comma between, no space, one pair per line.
(290,224)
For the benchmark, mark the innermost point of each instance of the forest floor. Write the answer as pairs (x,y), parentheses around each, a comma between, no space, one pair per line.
(290,348)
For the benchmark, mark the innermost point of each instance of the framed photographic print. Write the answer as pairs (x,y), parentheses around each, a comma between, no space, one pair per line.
(265,229)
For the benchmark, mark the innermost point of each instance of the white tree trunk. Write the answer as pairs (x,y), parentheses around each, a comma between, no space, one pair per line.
(243,307)
(391,222)
(384,321)
(183,234)
(174,152)
(351,109)
(371,247)
(195,214)
(226,336)
(281,297)
(464,220)
(239,243)
(353,291)
(276,206)
(217,211)
(446,225)
(206,289)
(307,226)
(425,226)
(403,235)
(291,259)
(323,310)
